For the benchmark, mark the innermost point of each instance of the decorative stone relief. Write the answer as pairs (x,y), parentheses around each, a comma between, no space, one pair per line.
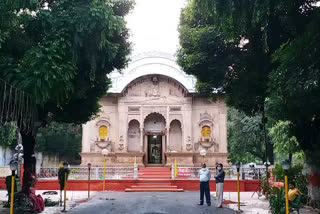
(152,91)
(103,121)
(188,144)
(196,146)
(205,119)
(121,145)
(216,147)
(104,145)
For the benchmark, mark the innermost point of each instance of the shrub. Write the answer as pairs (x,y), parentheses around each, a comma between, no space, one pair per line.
(49,203)
(294,174)
(277,201)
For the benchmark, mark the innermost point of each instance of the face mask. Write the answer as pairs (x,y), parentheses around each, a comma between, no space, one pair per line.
(219,168)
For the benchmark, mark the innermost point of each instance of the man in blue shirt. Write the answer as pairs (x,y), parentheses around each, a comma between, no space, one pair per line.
(219,184)
(204,175)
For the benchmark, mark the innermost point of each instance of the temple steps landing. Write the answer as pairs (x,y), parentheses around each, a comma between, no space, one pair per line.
(154,179)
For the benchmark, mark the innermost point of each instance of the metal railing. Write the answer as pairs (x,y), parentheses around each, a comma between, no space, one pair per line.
(127,173)
(192,173)
(81,173)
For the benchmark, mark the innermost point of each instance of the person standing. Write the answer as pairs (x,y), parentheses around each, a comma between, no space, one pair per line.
(204,175)
(219,184)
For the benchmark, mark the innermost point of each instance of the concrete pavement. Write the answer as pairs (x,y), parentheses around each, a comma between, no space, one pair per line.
(148,203)
(152,202)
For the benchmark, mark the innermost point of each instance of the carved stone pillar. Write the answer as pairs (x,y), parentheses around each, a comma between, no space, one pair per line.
(168,129)
(141,139)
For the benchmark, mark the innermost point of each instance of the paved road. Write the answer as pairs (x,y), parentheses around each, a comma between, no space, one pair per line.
(147,203)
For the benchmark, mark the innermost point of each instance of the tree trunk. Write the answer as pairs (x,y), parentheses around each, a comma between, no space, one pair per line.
(270,152)
(290,157)
(308,136)
(29,174)
(313,173)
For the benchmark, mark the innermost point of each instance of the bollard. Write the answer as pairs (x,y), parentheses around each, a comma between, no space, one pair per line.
(172,172)
(135,172)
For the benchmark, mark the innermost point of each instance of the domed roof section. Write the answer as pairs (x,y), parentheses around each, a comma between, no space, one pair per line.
(148,64)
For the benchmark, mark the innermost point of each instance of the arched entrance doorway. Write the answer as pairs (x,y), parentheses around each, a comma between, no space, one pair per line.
(154,127)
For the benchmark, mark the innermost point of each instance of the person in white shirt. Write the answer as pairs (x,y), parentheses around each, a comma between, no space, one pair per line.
(204,175)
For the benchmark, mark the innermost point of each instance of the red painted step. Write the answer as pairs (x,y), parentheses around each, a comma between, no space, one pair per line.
(152,184)
(154,190)
(154,179)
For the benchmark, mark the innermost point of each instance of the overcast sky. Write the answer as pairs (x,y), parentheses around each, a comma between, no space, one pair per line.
(153,25)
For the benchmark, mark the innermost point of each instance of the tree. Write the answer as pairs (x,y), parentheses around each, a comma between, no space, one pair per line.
(245,138)
(62,139)
(7,134)
(61,52)
(284,144)
(274,67)
(294,93)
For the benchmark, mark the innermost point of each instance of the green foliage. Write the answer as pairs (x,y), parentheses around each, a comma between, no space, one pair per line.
(22,204)
(277,201)
(245,137)
(296,175)
(49,203)
(284,143)
(8,134)
(263,185)
(62,53)
(60,138)
(294,88)
(273,63)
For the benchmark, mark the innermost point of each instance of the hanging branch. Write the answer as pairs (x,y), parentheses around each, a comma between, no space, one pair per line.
(16,106)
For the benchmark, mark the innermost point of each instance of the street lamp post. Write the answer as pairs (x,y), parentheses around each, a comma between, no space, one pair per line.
(238,164)
(267,164)
(203,153)
(13,167)
(285,166)
(65,167)
(89,174)
(18,156)
(104,153)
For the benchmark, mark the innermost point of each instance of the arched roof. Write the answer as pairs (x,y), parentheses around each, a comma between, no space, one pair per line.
(148,64)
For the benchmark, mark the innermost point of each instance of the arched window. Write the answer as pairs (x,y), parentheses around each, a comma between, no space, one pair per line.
(205,131)
(103,131)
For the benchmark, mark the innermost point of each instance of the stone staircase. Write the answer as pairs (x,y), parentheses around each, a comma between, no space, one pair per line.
(154,180)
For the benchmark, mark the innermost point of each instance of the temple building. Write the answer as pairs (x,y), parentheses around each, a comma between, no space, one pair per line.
(152,114)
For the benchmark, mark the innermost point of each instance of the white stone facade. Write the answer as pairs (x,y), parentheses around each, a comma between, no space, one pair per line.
(153,115)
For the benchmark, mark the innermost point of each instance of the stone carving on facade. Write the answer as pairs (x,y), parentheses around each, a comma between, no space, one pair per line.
(188,144)
(121,144)
(105,120)
(153,90)
(206,143)
(104,145)
(216,147)
(206,120)
(205,117)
